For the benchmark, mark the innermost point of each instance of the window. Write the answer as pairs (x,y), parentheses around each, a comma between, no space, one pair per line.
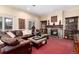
(30,24)
(8,23)
(0,23)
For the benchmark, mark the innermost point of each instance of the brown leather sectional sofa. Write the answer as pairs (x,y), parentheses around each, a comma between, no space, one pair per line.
(18,45)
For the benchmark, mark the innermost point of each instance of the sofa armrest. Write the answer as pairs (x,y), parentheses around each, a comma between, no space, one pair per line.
(10,49)
(1,44)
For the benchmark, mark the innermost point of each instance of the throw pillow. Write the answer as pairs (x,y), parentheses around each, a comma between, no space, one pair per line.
(11,34)
(1,42)
(25,32)
(18,33)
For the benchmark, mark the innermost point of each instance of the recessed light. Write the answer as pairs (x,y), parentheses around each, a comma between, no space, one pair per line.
(28,9)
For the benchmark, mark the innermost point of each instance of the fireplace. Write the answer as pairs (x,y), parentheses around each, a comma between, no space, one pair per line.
(54,32)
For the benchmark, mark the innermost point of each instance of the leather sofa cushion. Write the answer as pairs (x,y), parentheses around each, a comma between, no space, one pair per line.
(17,33)
(10,41)
(5,35)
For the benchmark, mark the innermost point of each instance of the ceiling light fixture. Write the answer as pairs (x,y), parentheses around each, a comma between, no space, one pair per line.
(33,5)
(29,8)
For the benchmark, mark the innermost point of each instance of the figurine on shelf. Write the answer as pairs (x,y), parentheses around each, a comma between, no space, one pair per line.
(33,30)
(60,22)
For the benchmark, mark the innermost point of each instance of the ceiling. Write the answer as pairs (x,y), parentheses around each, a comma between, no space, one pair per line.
(42,9)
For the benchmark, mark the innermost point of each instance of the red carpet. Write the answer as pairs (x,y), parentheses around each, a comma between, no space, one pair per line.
(55,46)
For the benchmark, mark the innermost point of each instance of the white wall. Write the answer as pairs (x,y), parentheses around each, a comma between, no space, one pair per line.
(16,13)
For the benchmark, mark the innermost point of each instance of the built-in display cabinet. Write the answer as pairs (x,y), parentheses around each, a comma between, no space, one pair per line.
(71,27)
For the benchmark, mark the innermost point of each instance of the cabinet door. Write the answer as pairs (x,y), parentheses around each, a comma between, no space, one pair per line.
(21,23)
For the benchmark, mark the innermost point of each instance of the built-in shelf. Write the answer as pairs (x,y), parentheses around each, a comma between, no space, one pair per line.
(71,26)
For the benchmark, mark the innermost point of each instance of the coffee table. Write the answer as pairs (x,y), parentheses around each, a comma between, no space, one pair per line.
(37,42)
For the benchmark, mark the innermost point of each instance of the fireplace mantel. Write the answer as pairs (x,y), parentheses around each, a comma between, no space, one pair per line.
(54,26)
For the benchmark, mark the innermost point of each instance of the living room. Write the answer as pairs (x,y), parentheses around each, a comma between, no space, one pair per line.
(55,28)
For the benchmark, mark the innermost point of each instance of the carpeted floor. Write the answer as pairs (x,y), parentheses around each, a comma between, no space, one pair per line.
(55,46)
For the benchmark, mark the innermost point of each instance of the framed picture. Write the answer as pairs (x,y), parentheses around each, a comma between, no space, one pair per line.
(21,23)
(53,18)
(31,23)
